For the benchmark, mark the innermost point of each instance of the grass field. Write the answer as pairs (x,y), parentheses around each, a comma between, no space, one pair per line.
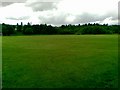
(60,61)
(0,62)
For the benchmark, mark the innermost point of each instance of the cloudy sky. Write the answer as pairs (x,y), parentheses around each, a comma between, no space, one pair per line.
(57,12)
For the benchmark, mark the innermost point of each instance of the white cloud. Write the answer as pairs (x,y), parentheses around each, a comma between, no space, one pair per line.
(70,18)
(110,20)
(59,12)
(89,6)
(15,12)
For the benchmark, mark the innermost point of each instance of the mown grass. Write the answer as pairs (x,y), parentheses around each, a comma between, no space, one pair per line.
(60,61)
(0,62)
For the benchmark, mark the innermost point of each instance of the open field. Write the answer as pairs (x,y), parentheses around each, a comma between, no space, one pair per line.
(60,61)
(0,62)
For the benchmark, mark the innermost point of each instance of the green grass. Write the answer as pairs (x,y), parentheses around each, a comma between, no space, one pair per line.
(0,62)
(60,61)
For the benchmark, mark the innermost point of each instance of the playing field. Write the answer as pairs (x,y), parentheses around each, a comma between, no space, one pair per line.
(60,61)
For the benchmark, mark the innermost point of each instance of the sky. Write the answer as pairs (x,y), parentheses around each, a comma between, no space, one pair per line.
(59,12)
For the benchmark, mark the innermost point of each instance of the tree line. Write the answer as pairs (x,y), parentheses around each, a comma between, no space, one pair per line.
(29,29)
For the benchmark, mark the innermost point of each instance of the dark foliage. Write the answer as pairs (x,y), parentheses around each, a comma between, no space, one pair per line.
(63,29)
(7,30)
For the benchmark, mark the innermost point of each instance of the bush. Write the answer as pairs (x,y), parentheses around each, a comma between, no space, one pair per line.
(28,31)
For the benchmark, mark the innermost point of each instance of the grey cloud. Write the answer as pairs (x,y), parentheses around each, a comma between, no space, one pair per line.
(86,17)
(54,20)
(6,3)
(9,2)
(0,4)
(41,6)
(114,15)
(14,1)
(20,18)
(83,18)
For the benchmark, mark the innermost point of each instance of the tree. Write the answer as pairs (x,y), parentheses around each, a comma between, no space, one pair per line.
(28,31)
(7,29)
